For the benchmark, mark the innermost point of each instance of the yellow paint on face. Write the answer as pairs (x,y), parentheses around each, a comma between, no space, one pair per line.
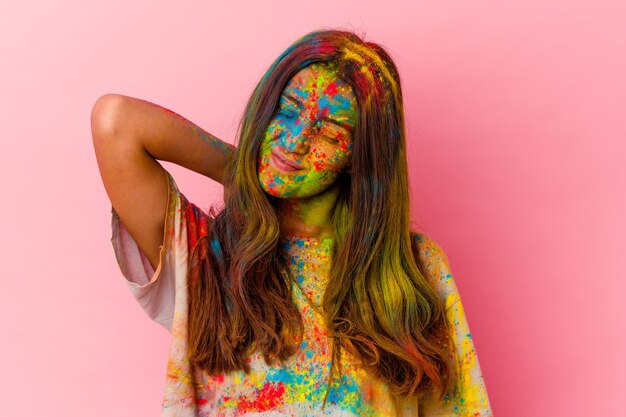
(313,128)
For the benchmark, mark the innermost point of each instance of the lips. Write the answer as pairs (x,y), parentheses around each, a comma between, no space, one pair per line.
(284,161)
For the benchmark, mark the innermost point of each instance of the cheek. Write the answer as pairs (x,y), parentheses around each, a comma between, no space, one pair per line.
(271,134)
(272,130)
(277,126)
(329,158)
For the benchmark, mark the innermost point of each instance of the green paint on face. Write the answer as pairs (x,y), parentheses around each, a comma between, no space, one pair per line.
(312,129)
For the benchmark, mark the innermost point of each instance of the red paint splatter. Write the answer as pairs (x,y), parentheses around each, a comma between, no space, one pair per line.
(331,89)
(362,82)
(368,392)
(267,398)
(197,222)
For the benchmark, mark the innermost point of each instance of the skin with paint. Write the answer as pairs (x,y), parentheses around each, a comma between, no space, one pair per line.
(307,145)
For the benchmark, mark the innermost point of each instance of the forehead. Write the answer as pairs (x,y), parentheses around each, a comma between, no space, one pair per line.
(319,83)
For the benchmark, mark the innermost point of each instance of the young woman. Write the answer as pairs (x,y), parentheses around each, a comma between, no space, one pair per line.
(307,294)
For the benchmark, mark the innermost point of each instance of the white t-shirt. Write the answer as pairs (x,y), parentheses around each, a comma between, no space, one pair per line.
(296,387)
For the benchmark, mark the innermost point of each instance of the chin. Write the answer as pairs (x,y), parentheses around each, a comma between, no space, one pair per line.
(273,191)
(280,193)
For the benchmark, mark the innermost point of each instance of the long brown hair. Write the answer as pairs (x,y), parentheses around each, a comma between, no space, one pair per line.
(378,304)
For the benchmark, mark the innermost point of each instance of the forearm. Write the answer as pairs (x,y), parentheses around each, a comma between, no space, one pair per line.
(167,136)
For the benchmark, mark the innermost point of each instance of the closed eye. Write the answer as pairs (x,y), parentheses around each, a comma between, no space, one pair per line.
(332,138)
(287,114)
(332,134)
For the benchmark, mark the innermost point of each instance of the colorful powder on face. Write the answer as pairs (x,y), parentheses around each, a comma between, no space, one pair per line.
(302,130)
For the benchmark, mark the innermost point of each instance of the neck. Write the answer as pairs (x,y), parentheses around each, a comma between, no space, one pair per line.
(309,217)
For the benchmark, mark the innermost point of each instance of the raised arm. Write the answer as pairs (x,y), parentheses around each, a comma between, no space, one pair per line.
(129,135)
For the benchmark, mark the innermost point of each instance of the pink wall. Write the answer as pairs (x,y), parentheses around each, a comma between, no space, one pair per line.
(516,122)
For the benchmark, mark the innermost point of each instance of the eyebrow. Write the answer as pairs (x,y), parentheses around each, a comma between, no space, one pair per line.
(336,122)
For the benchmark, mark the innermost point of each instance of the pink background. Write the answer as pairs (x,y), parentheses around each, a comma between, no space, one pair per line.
(516,128)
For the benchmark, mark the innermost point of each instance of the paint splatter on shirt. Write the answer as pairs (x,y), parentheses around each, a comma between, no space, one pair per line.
(297,386)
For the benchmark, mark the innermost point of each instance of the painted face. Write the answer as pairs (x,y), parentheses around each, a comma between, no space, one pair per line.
(309,140)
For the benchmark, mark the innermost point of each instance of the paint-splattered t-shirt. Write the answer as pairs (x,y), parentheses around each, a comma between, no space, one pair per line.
(297,386)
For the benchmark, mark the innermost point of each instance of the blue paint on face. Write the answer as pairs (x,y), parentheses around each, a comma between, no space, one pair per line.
(312,127)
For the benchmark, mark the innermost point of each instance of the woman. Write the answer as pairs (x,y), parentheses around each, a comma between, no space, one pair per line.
(308,294)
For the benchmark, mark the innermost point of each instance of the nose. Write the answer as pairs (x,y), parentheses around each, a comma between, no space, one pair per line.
(297,141)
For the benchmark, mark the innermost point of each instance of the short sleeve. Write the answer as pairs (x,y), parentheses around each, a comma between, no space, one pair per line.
(470,394)
(155,290)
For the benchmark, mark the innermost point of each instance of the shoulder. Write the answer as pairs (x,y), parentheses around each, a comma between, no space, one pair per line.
(434,263)
(431,255)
